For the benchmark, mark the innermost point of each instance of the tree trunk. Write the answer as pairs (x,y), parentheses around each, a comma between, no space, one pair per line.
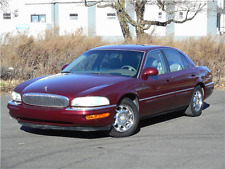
(139,10)
(120,5)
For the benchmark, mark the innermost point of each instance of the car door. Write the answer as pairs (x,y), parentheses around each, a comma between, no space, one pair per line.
(181,78)
(154,93)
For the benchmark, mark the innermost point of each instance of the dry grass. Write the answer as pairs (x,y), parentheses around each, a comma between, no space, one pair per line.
(7,85)
(31,58)
(35,57)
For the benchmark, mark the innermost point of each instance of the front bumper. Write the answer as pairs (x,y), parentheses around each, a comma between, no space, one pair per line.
(61,118)
(209,87)
(75,128)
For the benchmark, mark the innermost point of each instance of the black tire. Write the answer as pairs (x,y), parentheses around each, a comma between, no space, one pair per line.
(126,119)
(197,101)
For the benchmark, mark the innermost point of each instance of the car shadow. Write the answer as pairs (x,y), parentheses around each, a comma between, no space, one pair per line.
(160,118)
(206,105)
(103,134)
(165,117)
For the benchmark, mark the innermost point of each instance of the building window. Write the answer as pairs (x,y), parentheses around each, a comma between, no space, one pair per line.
(73,16)
(160,15)
(7,16)
(111,15)
(38,18)
(181,15)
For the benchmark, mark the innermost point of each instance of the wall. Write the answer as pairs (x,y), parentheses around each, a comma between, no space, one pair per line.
(152,13)
(69,24)
(107,26)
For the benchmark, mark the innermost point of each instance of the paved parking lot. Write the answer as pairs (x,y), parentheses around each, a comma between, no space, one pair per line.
(171,141)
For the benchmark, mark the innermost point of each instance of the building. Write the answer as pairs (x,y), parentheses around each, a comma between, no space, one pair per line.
(221,18)
(35,16)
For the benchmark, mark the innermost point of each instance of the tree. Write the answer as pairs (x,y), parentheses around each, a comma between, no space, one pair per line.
(3,5)
(171,8)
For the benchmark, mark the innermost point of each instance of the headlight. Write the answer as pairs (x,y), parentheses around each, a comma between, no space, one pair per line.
(16,96)
(90,101)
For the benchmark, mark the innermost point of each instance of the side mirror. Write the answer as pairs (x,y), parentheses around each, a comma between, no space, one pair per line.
(149,72)
(64,66)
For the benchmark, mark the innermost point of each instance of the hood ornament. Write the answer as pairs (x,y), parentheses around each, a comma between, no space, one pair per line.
(46,88)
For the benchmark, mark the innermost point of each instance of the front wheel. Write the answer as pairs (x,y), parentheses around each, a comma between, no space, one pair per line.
(126,119)
(196,105)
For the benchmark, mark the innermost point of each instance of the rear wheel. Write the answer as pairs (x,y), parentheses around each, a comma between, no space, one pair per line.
(196,105)
(126,119)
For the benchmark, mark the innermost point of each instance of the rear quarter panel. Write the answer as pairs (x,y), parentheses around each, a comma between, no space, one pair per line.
(205,79)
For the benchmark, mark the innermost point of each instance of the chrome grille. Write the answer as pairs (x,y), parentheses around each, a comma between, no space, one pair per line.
(45,100)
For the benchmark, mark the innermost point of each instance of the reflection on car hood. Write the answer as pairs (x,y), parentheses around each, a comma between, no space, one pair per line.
(72,85)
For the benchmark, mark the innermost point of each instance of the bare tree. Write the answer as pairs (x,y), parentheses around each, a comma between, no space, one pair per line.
(3,5)
(171,8)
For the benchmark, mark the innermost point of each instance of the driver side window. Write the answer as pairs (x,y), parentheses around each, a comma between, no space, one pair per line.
(155,59)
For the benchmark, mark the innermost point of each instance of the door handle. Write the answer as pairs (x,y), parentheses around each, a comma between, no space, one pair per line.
(170,79)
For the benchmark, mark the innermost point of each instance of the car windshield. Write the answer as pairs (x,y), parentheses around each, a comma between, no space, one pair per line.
(112,62)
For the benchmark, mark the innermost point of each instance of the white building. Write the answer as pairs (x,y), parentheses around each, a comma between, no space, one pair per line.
(35,16)
(221,17)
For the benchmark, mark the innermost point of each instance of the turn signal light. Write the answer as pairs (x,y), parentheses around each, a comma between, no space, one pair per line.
(97,116)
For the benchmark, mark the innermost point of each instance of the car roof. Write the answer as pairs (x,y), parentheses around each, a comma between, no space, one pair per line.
(144,48)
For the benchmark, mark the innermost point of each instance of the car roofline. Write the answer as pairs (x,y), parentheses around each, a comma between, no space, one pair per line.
(131,47)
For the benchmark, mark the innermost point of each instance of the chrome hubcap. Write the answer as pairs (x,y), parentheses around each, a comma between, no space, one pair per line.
(124,118)
(197,101)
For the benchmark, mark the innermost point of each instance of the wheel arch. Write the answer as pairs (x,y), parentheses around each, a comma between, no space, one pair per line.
(131,96)
(201,84)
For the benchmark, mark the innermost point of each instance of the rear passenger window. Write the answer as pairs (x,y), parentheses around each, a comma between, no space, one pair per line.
(184,59)
(174,60)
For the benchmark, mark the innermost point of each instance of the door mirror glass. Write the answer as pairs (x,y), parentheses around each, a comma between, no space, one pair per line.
(149,72)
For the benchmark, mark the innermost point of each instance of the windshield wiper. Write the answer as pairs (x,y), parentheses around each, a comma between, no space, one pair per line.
(97,73)
(65,72)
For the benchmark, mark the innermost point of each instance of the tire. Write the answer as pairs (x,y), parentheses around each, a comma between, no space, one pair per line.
(126,119)
(196,105)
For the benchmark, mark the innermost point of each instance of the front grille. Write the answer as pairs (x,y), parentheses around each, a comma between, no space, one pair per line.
(45,100)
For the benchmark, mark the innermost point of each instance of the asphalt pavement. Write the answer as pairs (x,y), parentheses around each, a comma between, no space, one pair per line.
(171,141)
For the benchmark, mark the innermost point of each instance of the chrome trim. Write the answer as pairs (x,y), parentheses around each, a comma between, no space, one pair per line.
(89,108)
(153,97)
(64,101)
(11,102)
(209,84)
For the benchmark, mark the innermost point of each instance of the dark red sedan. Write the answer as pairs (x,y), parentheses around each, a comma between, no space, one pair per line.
(112,88)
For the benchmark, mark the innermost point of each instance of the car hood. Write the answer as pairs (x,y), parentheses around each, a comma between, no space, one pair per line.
(72,85)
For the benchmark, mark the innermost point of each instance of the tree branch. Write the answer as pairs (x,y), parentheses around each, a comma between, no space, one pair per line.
(92,3)
(158,23)
(3,5)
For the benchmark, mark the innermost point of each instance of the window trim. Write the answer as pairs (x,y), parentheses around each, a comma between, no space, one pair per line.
(7,16)
(74,15)
(181,15)
(111,16)
(160,15)
(39,18)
